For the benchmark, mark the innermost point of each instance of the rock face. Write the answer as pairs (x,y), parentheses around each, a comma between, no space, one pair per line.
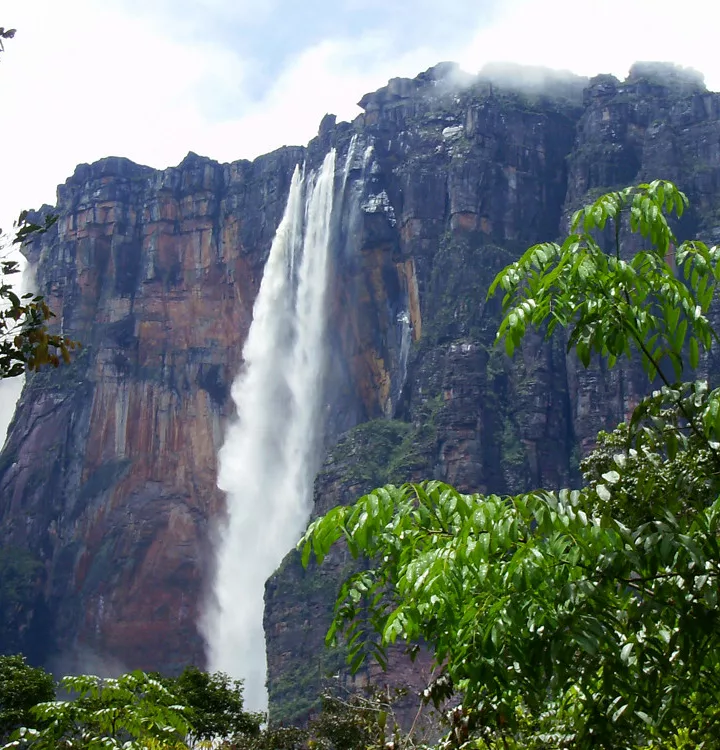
(108,473)
(473,177)
(107,479)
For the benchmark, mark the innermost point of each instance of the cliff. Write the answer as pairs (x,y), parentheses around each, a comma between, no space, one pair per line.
(108,472)
(107,479)
(475,176)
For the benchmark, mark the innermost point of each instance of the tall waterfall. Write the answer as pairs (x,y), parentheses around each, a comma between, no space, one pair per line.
(270,454)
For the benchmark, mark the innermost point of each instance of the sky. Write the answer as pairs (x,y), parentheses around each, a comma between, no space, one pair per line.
(154,79)
(230,79)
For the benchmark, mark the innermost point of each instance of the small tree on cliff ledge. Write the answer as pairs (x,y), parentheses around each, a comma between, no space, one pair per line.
(576,619)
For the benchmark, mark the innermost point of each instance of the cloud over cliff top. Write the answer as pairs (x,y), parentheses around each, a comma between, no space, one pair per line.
(153,79)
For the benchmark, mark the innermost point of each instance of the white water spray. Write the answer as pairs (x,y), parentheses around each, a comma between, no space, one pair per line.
(405,341)
(270,455)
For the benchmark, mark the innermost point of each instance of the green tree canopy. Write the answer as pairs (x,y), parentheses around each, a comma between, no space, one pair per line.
(585,618)
(21,688)
(215,704)
(134,712)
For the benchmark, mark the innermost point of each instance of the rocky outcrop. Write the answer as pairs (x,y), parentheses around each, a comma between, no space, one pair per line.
(108,474)
(474,176)
(108,477)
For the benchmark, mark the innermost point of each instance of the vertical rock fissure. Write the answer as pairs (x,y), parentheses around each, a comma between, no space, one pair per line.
(270,454)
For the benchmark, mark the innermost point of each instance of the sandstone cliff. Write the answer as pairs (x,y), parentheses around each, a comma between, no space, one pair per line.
(107,479)
(108,473)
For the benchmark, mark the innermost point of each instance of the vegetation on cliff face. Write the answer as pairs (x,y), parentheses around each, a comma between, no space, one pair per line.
(19,573)
(584,618)
(386,450)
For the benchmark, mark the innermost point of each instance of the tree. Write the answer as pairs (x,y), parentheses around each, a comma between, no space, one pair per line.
(215,704)
(585,618)
(196,709)
(133,712)
(20,572)
(21,688)
(26,342)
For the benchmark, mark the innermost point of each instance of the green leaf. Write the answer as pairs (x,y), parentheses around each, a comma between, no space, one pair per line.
(694,353)
(587,618)
(603,492)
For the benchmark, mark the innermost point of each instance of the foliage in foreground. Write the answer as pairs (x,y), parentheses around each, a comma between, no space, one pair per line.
(200,710)
(576,619)
(215,705)
(135,710)
(25,340)
(21,688)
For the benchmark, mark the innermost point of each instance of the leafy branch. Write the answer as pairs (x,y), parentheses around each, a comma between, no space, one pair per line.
(26,342)
(572,619)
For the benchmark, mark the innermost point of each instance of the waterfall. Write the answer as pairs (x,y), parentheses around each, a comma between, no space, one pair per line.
(405,342)
(270,455)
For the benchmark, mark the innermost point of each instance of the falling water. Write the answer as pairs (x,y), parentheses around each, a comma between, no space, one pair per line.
(269,458)
(349,162)
(405,341)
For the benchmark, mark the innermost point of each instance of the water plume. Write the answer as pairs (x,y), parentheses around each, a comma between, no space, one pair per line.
(271,452)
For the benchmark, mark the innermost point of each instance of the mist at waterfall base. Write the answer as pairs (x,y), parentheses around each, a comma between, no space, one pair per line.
(271,452)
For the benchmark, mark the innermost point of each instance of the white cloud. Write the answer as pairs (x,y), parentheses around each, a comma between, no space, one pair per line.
(589,38)
(329,77)
(83,82)
(84,79)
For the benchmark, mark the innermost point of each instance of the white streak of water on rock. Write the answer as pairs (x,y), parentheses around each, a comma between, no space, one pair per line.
(405,342)
(271,453)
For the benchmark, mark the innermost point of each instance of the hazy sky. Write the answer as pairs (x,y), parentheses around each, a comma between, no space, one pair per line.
(153,79)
